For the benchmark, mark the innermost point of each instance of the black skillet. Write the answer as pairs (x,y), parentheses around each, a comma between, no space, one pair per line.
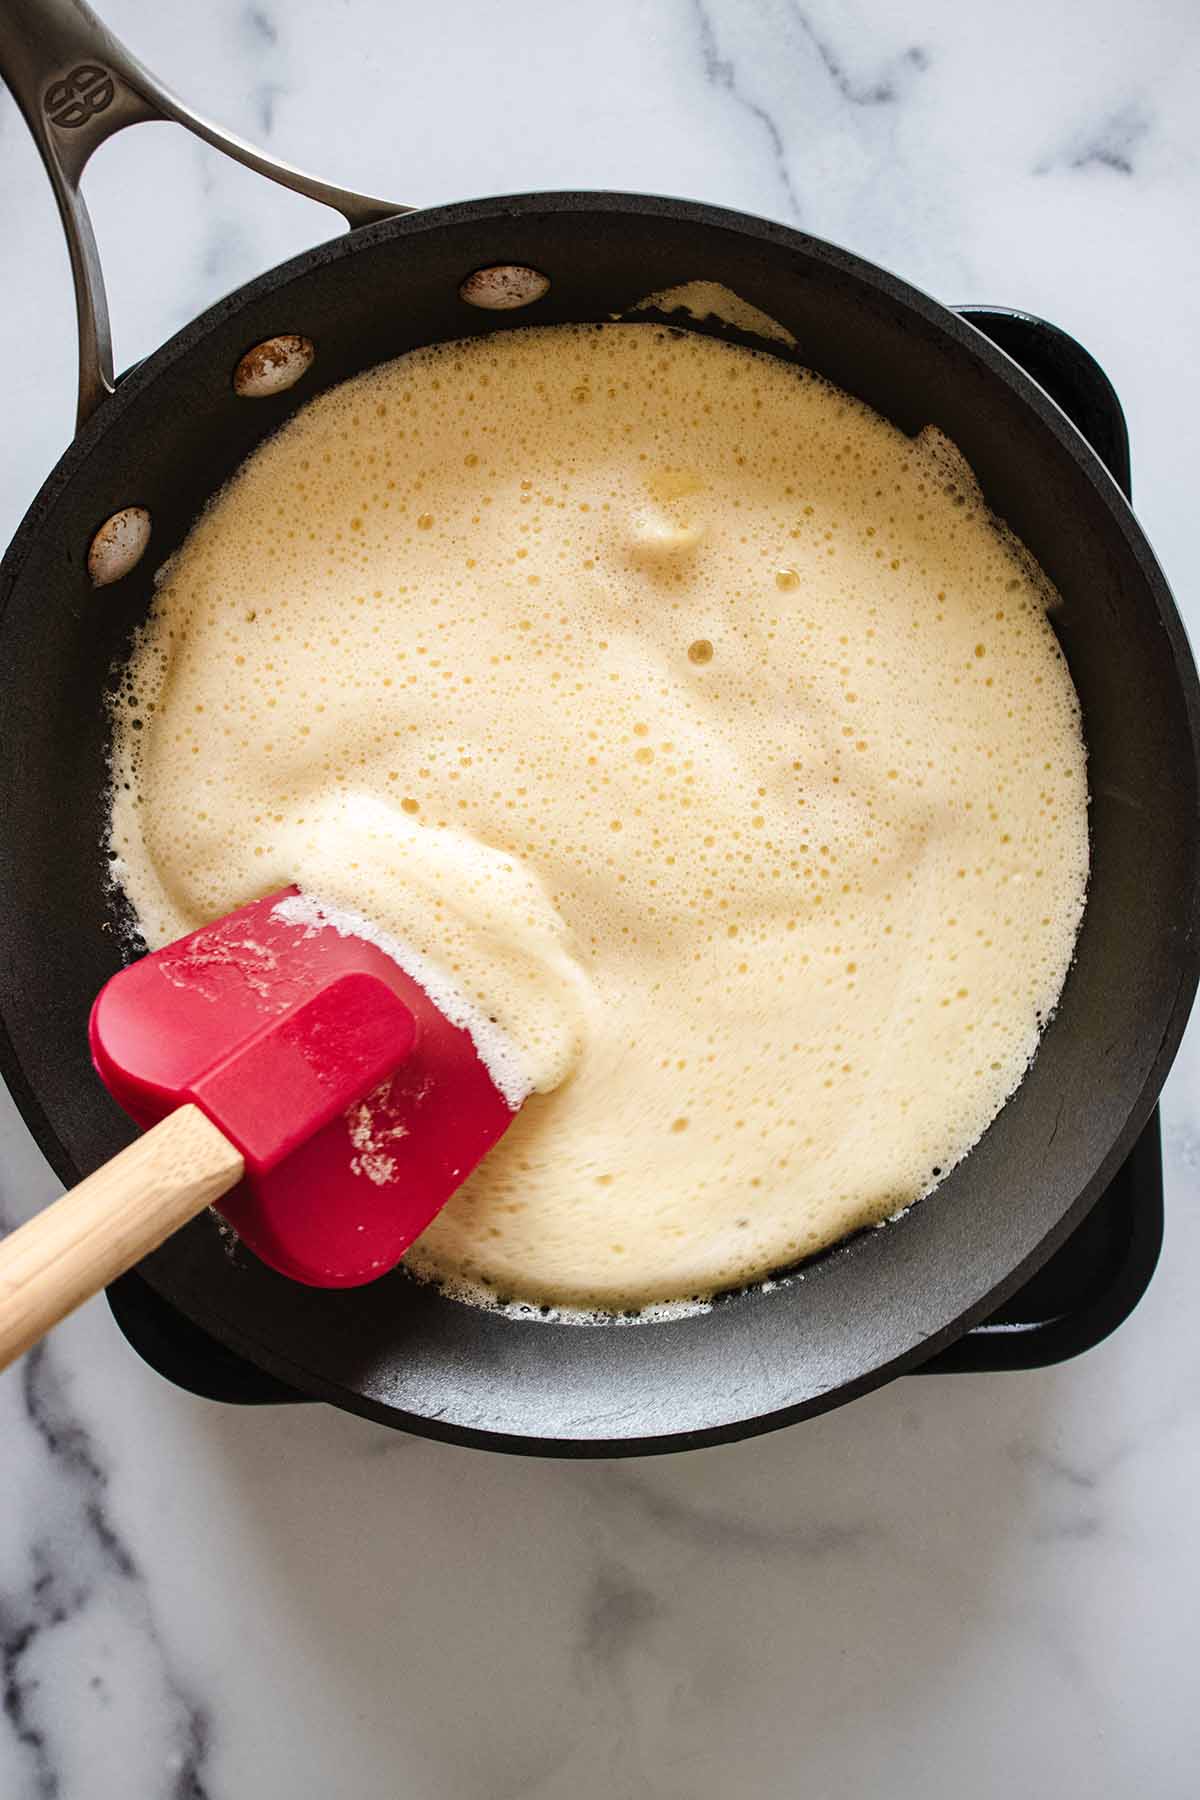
(174,429)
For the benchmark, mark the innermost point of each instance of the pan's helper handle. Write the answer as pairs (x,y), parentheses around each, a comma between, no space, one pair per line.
(77,86)
(109,1222)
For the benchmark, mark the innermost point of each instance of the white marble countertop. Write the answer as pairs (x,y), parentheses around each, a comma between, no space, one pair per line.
(976,1585)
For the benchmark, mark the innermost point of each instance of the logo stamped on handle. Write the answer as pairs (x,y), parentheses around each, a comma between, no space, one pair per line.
(86,91)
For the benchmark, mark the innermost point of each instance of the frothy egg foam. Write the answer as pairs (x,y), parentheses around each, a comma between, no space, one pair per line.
(698,733)
(710,300)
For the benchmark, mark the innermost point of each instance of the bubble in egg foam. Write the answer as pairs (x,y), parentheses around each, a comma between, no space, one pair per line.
(770,884)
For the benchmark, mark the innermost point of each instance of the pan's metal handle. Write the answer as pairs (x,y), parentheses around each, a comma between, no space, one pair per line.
(77,86)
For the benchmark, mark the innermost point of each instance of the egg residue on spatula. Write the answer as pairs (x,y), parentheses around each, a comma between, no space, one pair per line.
(355,1104)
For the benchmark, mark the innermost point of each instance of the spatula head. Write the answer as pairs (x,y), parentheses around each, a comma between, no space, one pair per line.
(356,1104)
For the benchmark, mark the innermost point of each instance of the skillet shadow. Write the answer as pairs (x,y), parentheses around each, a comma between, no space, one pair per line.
(513,1626)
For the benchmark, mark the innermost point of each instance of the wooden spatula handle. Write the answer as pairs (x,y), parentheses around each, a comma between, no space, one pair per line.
(106,1224)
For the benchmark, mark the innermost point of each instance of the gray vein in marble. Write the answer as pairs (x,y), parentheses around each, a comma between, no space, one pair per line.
(260,27)
(15,1639)
(222,250)
(1070,1493)
(260,36)
(225,244)
(264,97)
(721,72)
(620,1611)
(1070,1531)
(1049,1462)
(885,90)
(715,1532)
(67,1569)
(1111,145)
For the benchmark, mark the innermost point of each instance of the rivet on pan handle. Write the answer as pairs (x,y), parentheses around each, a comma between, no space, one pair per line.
(77,86)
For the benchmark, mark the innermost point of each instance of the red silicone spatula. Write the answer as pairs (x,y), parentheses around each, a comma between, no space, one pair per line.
(294,1076)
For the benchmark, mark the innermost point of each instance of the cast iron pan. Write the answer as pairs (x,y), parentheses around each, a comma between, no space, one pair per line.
(174,430)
